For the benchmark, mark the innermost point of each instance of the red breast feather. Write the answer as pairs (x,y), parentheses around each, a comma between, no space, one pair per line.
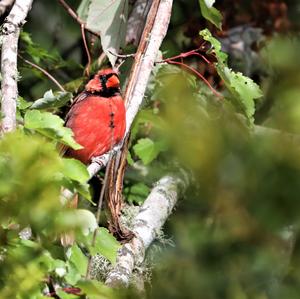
(98,124)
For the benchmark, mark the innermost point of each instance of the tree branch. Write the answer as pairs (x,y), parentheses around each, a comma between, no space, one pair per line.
(5,5)
(137,20)
(10,35)
(153,214)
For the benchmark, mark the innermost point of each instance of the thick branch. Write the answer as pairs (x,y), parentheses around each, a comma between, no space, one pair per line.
(153,35)
(153,214)
(5,5)
(136,21)
(10,36)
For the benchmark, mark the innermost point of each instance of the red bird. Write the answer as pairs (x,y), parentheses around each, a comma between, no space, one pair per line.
(97,116)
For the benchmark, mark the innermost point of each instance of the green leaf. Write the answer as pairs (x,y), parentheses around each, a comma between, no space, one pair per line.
(51,126)
(109,18)
(76,177)
(129,159)
(73,276)
(211,13)
(87,221)
(136,193)
(243,89)
(106,244)
(221,56)
(59,267)
(144,116)
(50,100)
(74,85)
(75,170)
(22,104)
(78,259)
(36,52)
(76,264)
(147,150)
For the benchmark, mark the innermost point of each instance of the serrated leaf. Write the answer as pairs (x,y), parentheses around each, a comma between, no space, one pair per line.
(106,244)
(243,89)
(221,56)
(136,193)
(52,100)
(51,126)
(147,150)
(211,13)
(108,18)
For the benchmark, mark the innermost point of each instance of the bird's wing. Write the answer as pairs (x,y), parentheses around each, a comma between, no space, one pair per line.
(82,96)
(62,148)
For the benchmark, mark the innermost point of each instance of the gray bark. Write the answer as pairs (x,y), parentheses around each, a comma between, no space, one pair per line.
(10,36)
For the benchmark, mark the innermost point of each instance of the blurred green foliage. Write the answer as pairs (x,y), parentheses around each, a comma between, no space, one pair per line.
(236,230)
(28,166)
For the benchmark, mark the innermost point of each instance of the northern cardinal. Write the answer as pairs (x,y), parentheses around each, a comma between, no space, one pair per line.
(97,117)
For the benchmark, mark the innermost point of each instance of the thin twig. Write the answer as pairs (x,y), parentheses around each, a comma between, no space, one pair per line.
(186,54)
(87,68)
(121,55)
(74,15)
(44,72)
(194,52)
(98,213)
(198,75)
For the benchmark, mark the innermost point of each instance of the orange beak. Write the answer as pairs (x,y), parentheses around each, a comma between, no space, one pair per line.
(113,82)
